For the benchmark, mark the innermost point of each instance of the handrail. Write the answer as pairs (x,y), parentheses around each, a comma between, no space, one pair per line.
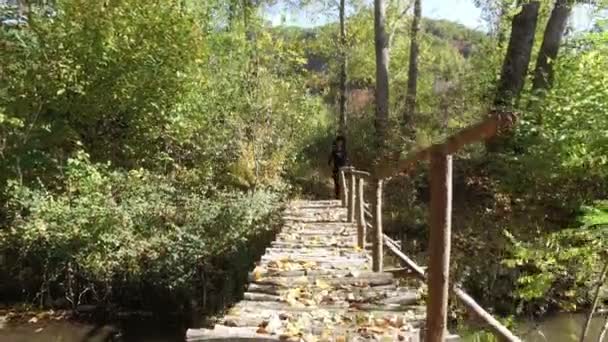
(481,131)
(440,221)
(497,328)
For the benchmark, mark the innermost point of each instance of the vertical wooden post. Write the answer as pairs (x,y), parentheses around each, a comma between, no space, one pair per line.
(378,243)
(440,220)
(360,214)
(352,194)
(343,190)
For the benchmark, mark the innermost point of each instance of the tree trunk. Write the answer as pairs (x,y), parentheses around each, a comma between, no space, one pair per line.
(556,26)
(343,90)
(517,59)
(382,92)
(412,80)
(515,66)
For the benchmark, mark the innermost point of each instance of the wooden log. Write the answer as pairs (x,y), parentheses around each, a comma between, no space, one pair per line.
(286,282)
(497,328)
(358,173)
(324,259)
(475,133)
(595,302)
(439,245)
(494,325)
(361,226)
(351,198)
(377,251)
(270,273)
(343,189)
(418,271)
(252,306)
(254,318)
(336,333)
(315,244)
(267,289)
(387,290)
(261,297)
(229,334)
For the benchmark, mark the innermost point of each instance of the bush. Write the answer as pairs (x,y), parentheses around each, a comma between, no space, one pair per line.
(112,232)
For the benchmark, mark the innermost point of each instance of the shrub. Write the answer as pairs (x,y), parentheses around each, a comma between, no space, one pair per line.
(111,232)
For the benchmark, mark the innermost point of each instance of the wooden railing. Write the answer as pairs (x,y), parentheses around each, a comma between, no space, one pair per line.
(368,216)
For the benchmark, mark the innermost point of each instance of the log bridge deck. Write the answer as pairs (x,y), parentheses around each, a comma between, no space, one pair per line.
(314,284)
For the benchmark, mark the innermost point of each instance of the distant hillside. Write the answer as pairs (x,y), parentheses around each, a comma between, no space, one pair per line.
(460,37)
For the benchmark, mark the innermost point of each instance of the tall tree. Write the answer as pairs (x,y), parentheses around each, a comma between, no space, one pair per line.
(382,91)
(519,51)
(516,64)
(556,26)
(343,76)
(412,81)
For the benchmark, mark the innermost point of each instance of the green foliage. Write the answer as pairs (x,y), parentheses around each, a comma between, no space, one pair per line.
(192,115)
(557,268)
(572,136)
(102,75)
(124,230)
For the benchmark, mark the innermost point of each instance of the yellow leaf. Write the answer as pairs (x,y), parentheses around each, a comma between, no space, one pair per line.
(322,284)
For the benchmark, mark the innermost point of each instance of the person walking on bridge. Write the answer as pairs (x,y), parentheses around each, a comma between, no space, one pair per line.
(339,158)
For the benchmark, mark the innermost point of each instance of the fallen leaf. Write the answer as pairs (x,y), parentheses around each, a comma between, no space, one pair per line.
(322,284)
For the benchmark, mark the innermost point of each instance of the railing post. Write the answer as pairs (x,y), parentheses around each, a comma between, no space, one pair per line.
(440,220)
(360,214)
(343,189)
(377,253)
(352,192)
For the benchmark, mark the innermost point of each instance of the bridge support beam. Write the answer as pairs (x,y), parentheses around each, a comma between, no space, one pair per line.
(378,235)
(343,189)
(352,195)
(361,224)
(439,244)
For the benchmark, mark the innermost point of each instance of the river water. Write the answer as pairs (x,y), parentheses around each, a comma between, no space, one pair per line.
(559,328)
(69,331)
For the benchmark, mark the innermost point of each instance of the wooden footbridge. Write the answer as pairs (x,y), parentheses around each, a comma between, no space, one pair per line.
(321,281)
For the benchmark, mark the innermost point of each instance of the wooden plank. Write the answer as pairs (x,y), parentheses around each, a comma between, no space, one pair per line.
(229,334)
(337,307)
(361,279)
(244,318)
(387,290)
(439,245)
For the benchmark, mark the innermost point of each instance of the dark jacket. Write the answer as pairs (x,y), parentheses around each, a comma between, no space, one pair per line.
(339,158)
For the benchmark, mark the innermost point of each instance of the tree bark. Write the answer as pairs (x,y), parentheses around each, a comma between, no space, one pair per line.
(554,32)
(343,90)
(412,80)
(516,64)
(382,91)
(518,54)
(440,221)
